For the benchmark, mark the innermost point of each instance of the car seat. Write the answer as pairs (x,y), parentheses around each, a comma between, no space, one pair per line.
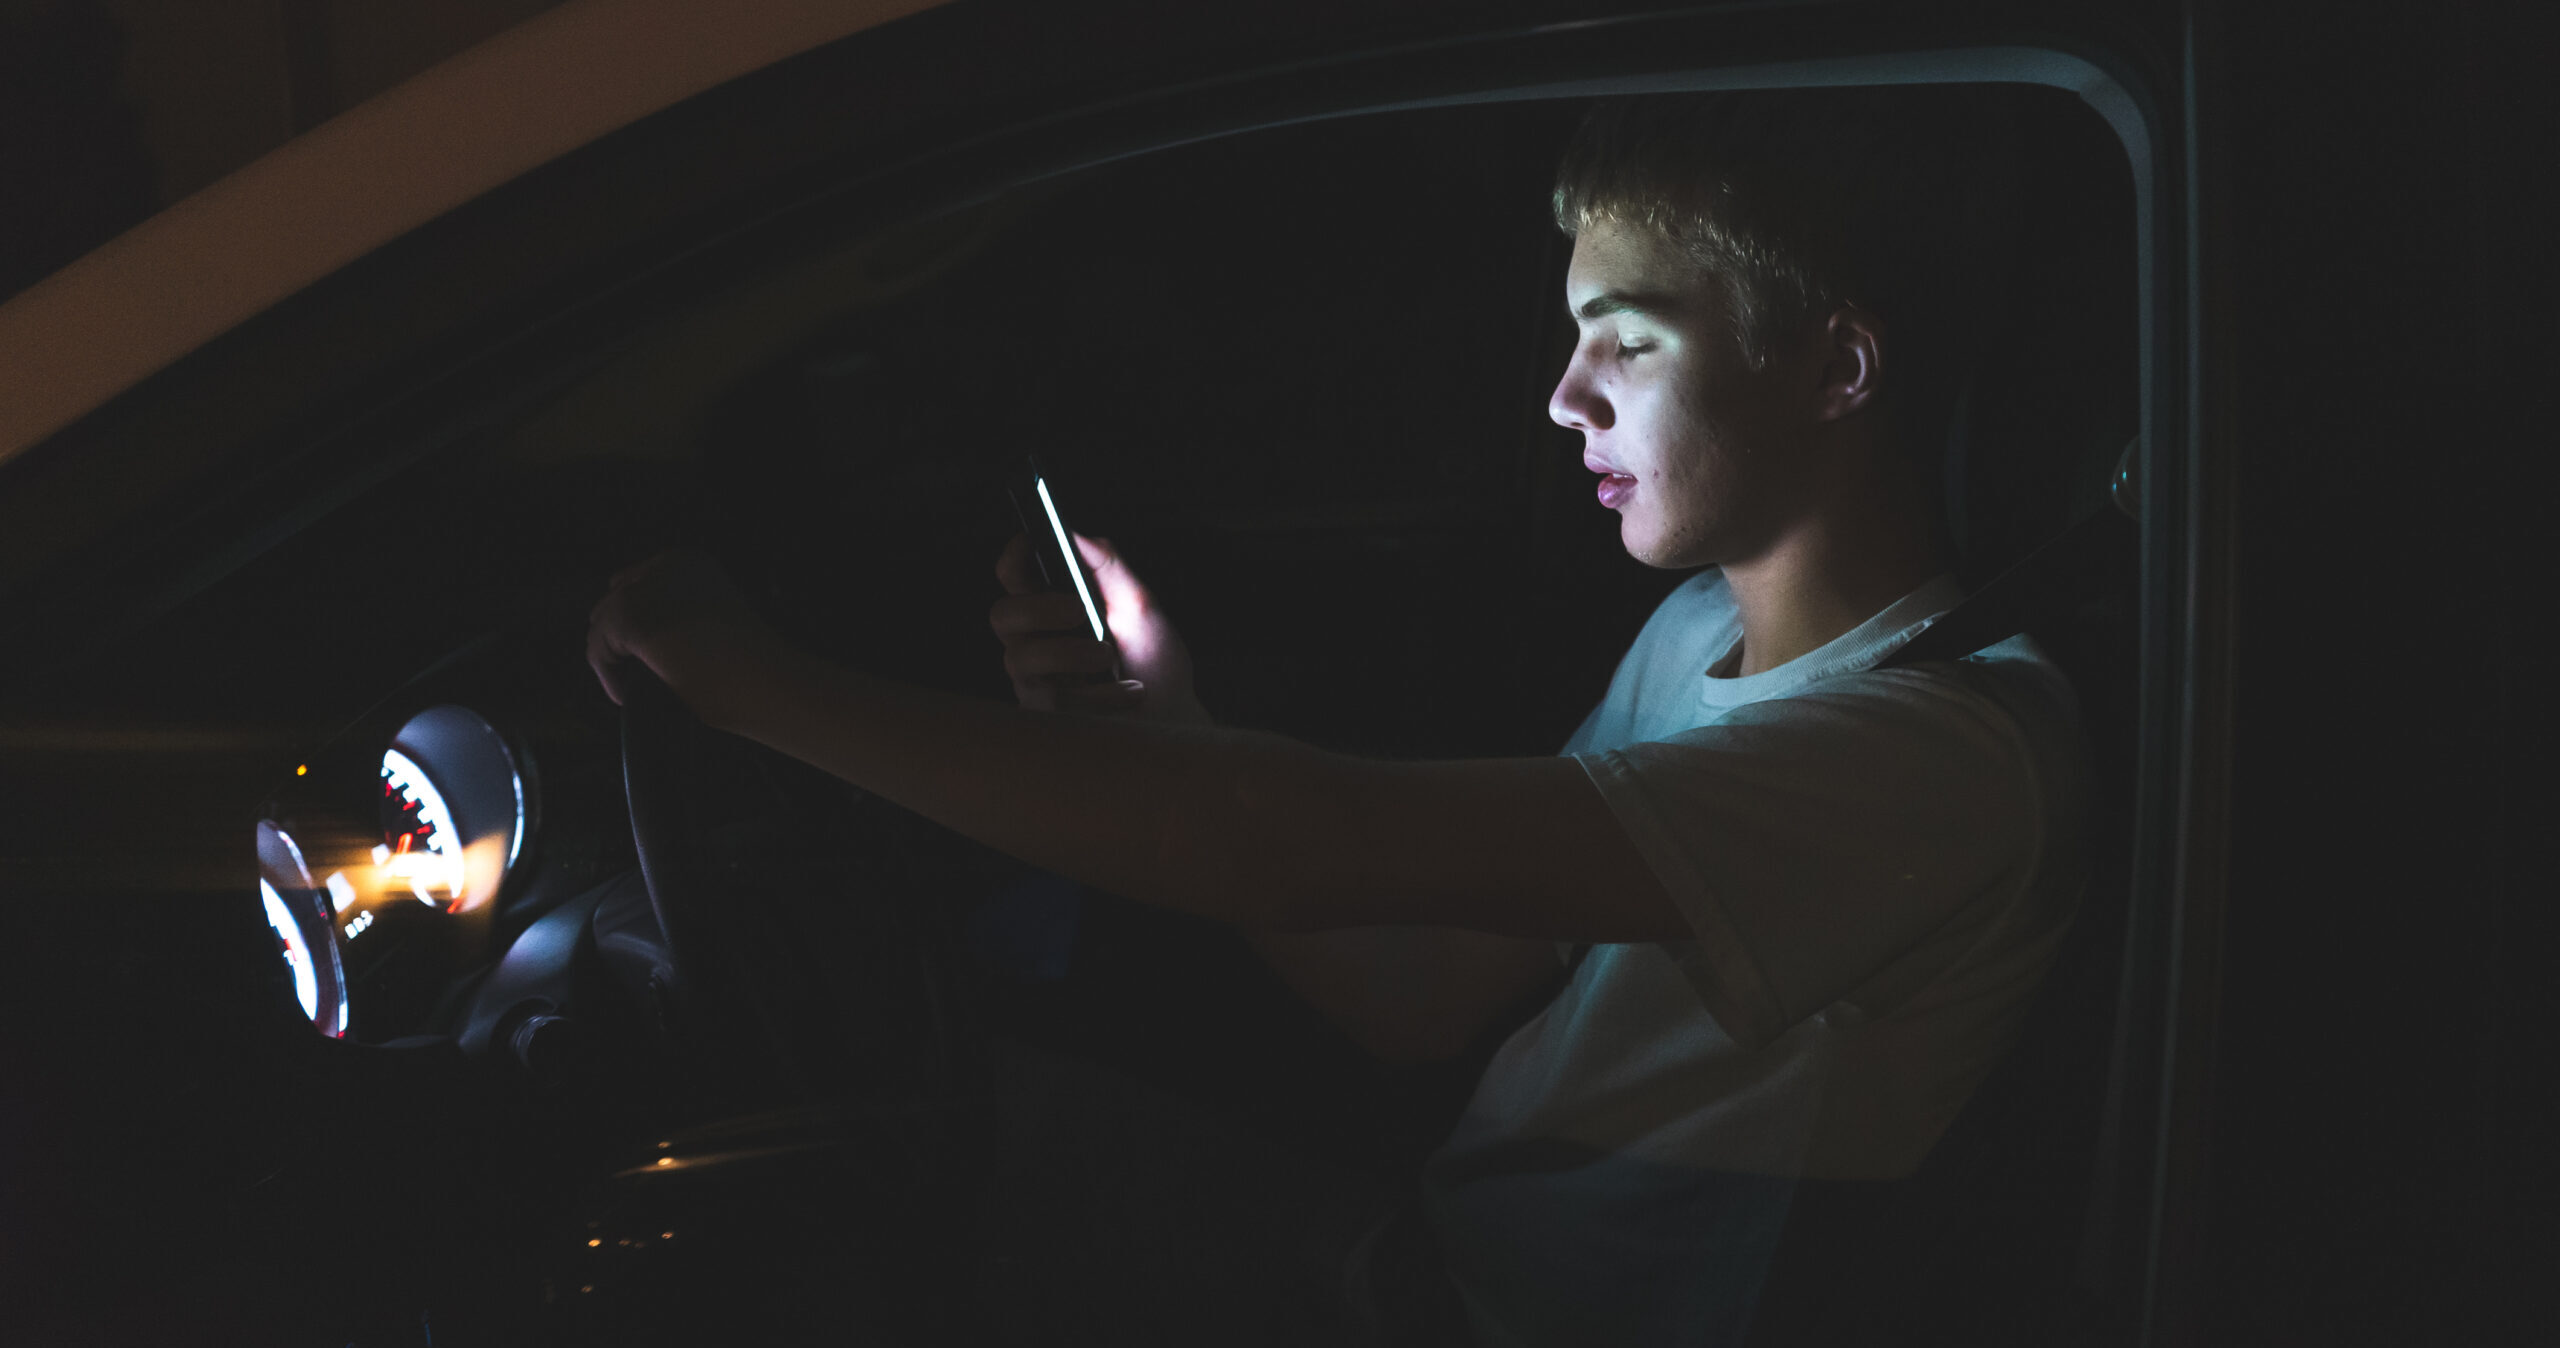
(1983,1245)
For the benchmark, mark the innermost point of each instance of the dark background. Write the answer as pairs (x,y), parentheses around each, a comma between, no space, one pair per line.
(2386,1086)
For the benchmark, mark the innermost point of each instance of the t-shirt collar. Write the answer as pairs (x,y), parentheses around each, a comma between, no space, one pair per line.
(1858,648)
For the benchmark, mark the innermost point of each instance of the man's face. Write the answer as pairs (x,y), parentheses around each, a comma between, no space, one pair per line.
(1690,441)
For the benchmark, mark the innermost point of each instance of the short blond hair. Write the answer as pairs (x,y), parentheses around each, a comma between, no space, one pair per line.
(1901,201)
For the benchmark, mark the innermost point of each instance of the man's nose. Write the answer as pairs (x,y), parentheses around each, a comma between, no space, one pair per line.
(1577,403)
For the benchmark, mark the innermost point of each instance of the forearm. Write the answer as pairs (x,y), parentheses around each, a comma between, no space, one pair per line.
(1248,828)
(1410,994)
(1245,827)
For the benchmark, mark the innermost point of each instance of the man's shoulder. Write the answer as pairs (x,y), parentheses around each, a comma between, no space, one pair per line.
(2015,674)
(2010,693)
(2021,674)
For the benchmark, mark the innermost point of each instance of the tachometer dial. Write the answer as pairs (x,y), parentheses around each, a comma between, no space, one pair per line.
(299,913)
(296,949)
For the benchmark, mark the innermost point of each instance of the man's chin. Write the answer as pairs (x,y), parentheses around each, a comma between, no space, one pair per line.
(1661,559)
(1642,542)
(1647,545)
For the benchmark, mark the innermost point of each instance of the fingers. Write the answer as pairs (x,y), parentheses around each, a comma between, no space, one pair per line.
(1099,556)
(616,624)
(1106,698)
(610,625)
(1054,665)
(1018,616)
(1014,568)
(1119,585)
(1057,611)
(680,617)
(1103,699)
(1049,658)
(602,656)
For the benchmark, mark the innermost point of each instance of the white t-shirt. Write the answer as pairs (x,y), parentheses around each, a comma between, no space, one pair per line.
(1877,866)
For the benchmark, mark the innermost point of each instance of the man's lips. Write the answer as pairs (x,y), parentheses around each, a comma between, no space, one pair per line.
(1615,486)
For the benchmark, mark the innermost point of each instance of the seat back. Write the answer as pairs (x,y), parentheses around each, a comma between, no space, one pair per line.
(1981,1244)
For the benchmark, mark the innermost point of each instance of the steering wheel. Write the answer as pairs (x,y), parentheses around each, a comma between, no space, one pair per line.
(760,966)
(710,993)
(766,954)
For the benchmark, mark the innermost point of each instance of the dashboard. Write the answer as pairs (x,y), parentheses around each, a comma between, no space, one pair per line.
(380,892)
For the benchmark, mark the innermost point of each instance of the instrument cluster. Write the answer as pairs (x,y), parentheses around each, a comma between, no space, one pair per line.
(377,890)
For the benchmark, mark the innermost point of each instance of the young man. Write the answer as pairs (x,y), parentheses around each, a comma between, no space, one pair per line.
(1792,904)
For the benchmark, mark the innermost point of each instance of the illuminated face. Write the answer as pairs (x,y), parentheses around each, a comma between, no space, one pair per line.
(1689,441)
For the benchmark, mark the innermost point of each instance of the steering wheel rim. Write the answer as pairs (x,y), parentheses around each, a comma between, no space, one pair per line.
(651,719)
(702,992)
(724,990)
(740,970)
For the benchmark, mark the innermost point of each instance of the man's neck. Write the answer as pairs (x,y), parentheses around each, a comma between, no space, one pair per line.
(1822,578)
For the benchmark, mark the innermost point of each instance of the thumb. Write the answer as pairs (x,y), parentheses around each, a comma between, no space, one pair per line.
(1120,586)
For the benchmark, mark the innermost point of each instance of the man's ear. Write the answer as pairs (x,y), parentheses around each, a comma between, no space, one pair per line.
(1853,346)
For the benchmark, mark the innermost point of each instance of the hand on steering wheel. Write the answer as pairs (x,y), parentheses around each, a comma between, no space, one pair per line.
(680,617)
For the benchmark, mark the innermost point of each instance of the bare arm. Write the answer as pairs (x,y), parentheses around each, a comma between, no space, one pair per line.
(1250,828)
(1411,994)
(1405,994)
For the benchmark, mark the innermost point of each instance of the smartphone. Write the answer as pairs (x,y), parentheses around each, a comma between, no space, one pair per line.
(1053,551)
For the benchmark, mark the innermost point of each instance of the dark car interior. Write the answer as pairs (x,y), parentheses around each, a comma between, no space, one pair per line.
(471,1063)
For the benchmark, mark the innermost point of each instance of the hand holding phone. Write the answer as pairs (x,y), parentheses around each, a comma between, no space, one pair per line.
(1053,647)
(1049,622)
(1053,550)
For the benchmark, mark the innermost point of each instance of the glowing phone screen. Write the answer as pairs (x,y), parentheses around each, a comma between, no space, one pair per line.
(1075,568)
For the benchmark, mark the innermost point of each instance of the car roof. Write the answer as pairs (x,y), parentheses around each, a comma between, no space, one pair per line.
(525,97)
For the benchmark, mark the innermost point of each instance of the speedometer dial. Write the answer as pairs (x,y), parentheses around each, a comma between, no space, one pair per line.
(419,843)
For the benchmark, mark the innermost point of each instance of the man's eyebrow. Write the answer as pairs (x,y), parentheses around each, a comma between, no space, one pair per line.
(1608,302)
